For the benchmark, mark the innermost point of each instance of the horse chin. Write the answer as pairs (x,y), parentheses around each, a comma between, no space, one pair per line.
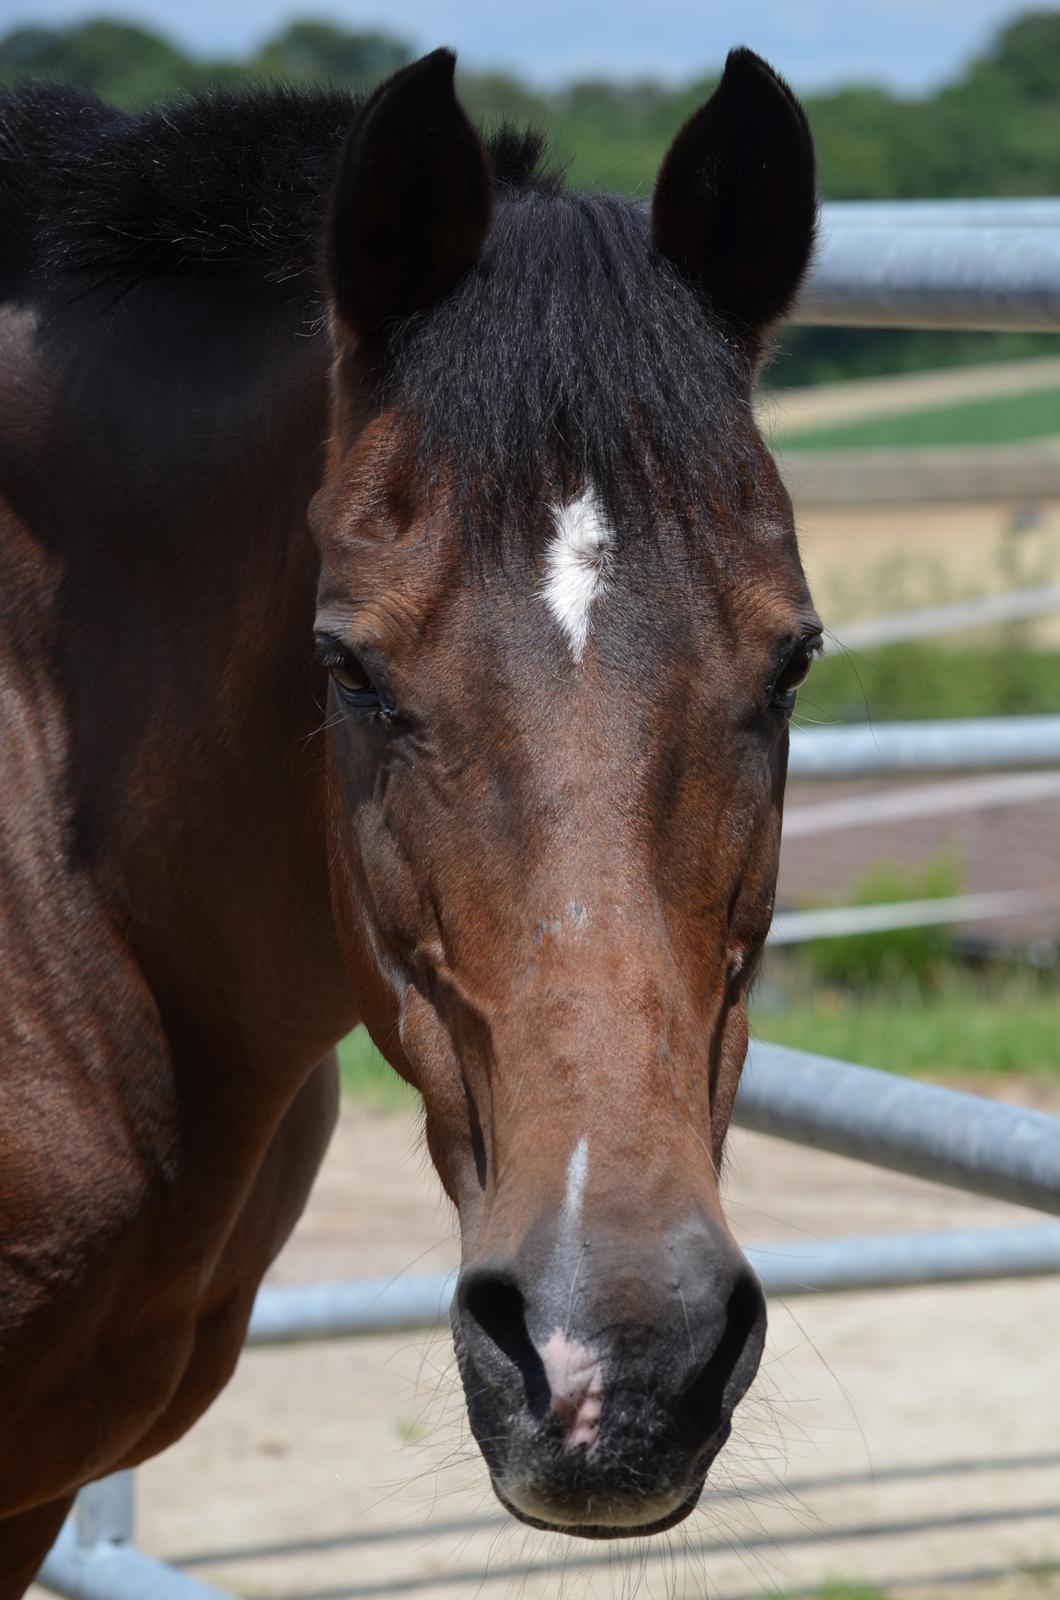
(603,1530)
(519,1458)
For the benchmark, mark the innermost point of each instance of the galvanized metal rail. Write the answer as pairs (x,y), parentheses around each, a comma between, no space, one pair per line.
(1010,212)
(930,621)
(932,275)
(837,922)
(962,1140)
(94,1557)
(361,1309)
(965,744)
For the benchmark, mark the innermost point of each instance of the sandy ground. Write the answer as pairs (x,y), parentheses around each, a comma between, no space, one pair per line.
(881,560)
(907,1439)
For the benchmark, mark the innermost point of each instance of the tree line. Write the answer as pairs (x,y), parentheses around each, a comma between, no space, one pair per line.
(994,129)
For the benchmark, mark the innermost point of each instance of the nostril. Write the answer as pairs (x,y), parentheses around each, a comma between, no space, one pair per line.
(494,1313)
(723,1380)
(745,1312)
(496,1304)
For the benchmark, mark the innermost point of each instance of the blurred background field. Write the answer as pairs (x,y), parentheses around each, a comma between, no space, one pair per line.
(987,129)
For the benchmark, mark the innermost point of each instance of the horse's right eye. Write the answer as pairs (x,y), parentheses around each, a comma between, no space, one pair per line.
(350,677)
(355,688)
(793,675)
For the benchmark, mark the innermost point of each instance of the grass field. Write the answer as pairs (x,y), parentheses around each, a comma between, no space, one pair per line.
(1008,419)
(906,1001)
(833,1591)
(368,1078)
(915,680)
(958,1029)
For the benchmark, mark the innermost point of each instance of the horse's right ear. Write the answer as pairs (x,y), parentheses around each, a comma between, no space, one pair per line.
(412,203)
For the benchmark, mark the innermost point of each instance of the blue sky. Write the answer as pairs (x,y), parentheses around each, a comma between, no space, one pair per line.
(908,44)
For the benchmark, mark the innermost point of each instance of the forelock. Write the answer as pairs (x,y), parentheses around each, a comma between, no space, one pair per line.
(572,354)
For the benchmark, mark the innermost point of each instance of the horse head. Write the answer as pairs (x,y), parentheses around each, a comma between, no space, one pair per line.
(565,620)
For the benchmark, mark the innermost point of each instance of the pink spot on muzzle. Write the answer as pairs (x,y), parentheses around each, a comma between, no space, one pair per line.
(576,1380)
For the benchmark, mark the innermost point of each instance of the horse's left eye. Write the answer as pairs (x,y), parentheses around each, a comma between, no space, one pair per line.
(793,675)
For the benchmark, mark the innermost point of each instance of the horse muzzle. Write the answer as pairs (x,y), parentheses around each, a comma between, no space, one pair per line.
(600,1390)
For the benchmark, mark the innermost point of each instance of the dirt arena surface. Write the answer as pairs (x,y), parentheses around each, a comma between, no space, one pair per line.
(907,1439)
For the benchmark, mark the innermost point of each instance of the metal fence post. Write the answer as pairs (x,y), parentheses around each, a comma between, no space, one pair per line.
(104,1512)
(94,1557)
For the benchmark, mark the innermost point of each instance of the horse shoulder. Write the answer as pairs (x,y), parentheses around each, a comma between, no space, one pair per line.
(143,1193)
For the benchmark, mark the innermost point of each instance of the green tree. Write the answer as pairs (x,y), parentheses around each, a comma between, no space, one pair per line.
(323,51)
(118,60)
(1026,57)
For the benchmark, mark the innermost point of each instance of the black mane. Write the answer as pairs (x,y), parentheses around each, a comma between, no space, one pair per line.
(572,351)
(228,181)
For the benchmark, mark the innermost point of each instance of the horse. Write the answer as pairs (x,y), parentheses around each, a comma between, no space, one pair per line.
(402,618)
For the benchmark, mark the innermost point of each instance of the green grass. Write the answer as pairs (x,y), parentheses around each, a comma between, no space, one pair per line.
(903,959)
(368,1078)
(837,1590)
(904,1001)
(1041,1572)
(916,680)
(959,1028)
(851,1591)
(1006,419)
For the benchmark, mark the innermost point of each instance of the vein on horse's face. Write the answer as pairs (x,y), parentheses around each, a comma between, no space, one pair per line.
(576,565)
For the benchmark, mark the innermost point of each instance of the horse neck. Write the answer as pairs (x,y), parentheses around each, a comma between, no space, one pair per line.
(190,425)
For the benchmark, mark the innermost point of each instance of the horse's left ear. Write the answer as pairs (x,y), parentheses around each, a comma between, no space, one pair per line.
(413,200)
(735,203)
